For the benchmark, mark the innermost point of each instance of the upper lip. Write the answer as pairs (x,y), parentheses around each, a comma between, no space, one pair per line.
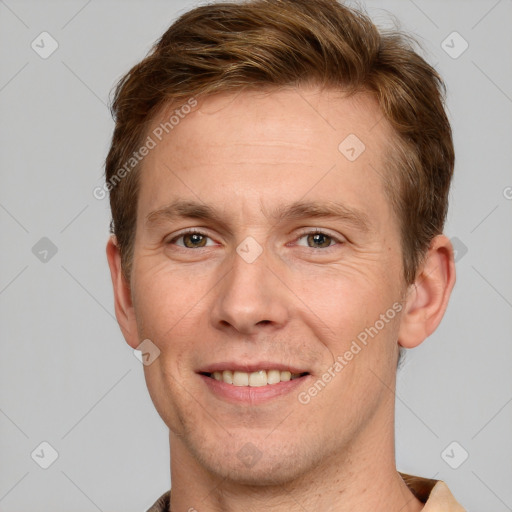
(250,367)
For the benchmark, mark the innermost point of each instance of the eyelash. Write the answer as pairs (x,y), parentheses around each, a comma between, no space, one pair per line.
(304,232)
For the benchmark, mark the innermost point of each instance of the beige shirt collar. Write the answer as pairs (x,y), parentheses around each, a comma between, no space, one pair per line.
(434,493)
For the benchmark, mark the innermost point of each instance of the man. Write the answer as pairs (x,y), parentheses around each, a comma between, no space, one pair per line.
(278,180)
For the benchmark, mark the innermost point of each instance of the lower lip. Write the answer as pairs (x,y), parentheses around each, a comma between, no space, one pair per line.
(252,395)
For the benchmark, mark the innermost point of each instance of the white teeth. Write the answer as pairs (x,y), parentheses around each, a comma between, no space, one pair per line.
(254,379)
(273,376)
(286,375)
(257,379)
(240,379)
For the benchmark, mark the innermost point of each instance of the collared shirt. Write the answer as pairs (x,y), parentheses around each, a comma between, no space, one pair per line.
(434,493)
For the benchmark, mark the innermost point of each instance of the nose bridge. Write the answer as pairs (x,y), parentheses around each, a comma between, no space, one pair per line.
(249,295)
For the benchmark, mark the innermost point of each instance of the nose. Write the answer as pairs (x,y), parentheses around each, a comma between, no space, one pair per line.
(251,298)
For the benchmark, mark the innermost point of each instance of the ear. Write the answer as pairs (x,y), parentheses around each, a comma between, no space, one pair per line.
(427,298)
(125,312)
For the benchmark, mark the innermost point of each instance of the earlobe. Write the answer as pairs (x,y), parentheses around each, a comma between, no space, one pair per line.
(122,294)
(427,298)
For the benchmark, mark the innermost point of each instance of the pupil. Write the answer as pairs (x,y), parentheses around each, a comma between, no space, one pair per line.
(194,240)
(319,239)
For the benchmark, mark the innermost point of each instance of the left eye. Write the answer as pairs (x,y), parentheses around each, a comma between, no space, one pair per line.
(192,240)
(317,240)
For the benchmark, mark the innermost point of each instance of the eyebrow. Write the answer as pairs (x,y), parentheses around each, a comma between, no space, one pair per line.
(295,211)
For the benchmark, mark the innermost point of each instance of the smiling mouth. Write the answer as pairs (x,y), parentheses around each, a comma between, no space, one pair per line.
(254,379)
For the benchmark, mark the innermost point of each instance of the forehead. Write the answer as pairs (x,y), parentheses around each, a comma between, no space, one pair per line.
(262,146)
(288,114)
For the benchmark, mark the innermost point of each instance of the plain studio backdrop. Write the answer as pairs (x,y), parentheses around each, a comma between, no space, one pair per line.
(67,377)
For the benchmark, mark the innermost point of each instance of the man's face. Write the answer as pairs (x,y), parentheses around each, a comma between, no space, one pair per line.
(257,275)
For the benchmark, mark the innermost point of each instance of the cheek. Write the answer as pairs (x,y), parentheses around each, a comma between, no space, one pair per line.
(354,312)
(167,301)
(362,346)
(170,398)
(346,297)
(170,312)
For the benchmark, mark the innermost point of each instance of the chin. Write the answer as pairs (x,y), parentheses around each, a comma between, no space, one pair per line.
(264,474)
(256,463)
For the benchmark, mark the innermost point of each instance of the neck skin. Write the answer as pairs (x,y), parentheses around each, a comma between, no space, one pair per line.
(362,478)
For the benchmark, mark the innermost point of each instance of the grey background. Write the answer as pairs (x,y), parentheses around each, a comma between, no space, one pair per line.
(66,375)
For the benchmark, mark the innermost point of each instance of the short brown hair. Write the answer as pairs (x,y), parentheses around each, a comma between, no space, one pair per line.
(273,43)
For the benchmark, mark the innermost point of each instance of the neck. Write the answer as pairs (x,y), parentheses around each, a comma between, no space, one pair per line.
(362,477)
